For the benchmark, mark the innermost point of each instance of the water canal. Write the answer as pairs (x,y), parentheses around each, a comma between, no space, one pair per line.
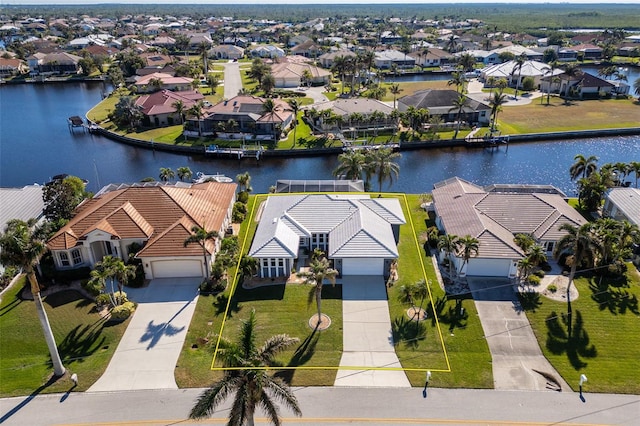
(36,144)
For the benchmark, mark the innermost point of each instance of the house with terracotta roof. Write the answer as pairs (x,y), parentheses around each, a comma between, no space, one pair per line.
(292,74)
(159,110)
(359,234)
(494,215)
(12,66)
(149,222)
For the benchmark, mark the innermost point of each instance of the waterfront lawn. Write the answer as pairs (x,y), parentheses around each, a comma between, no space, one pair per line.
(606,342)
(467,350)
(100,112)
(85,341)
(577,115)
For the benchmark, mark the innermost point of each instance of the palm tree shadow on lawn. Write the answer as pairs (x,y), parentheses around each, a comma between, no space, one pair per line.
(613,296)
(303,354)
(577,347)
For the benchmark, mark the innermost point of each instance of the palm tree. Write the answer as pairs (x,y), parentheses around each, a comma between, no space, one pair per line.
(351,165)
(583,247)
(550,71)
(496,103)
(622,170)
(180,109)
(491,82)
(382,162)
(449,244)
(200,235)
(197,111)
(469,247)
(583,166)
(634,167)
(166,174)
(122,273)
(459,80)
(459,105)
(244,182)
(248,376)
(22,247)
(636,86)
(537,255)
(184,173)
(520,61)
(467,61)
(395,91)
(319,270)
(571,70)
(340,67)
(295,107)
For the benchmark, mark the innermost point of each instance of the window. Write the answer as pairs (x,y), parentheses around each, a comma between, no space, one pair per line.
(76,256)
(64,258)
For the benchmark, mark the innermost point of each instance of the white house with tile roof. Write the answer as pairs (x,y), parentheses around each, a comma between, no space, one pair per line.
(157,217)
(359,234)
(494,215)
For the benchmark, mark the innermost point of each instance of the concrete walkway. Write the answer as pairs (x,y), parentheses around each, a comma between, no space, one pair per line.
(367,340)
(149,349)
(518,362)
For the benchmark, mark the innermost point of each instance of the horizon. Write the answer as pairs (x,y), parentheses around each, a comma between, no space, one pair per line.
(305,2)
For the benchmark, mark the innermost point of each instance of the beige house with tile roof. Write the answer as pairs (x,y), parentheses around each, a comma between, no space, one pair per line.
(494,215)
(158,217)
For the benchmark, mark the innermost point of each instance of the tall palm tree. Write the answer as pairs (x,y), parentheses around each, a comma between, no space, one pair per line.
(248,376)
(200,235)
(166,174)
(583,246)
(197,111)
(382,162)
(459,80)
(622,170)
(583,166)
(634,167)
(536,255)
(496,103)
(395,91)
(184,173)
(340,67)
(22,247)
(469,247)
(458,106)
(448,243)
(571,70)
(467,61)
(520,61)
(351,165)
(319,270)
(180,109)
(295,107)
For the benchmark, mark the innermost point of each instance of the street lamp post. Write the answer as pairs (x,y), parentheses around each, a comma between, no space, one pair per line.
(583,379)
(426,384)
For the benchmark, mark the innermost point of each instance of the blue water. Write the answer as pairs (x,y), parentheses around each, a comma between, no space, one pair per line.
(35,144)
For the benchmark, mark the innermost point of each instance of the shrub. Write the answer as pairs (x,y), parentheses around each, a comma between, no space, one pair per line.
(122,312)
(533,280)
(7,276)
(239,212)
(103,299)
(552,288)
(243,197)
(213,286)
(539,273)
(120,297)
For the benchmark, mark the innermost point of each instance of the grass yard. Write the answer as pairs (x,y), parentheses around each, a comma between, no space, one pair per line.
(606,343)
(85,341)
(578,115)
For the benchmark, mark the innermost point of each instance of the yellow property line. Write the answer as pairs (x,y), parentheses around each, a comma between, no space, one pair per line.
(256,204)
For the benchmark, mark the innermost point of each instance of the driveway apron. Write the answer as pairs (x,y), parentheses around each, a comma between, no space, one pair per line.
(149,349)
(518,362)
(367,340)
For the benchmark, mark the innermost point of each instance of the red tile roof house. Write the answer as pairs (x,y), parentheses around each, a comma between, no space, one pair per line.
(493,215)
(158,107)
(158,217)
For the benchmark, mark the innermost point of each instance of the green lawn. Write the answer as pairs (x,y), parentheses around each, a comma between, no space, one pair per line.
(606,339)
(85,341)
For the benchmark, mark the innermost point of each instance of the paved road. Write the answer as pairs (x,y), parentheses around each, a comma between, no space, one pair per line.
(232,79)
(336,406)
(149,349)
(366,335)
(517,361)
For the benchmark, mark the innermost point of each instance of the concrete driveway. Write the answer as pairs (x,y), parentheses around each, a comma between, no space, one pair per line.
(518,362)
(367,340)
(149,349)
(232,79)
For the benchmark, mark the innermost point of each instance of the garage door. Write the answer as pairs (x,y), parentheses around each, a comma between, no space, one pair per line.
(362,266)
(177,268)
(489,267)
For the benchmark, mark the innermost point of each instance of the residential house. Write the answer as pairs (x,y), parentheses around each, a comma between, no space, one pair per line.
(267,51)
(292,74)
(514,75)
(149,222)
(53,63)
(435,57)
(441,103)
(159,110)
(584,86)
(308,49)
(226,51)
(9,67)
(327,59)
(622,203)
(494,215)
(145,84)
(354,113)
(359,234)
(155,62)
(386,58)
(588,51)
(242,116)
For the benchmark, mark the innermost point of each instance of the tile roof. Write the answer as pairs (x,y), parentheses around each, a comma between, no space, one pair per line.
(20,203)
(439,102)
(495,217)
(157,213)
(628,202)
(162,102)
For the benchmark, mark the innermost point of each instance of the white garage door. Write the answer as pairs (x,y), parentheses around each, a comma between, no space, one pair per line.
(177,268)
(362,266)
(489,267)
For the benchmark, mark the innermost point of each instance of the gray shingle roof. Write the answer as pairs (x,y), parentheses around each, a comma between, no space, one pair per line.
(20,203)
(628,202)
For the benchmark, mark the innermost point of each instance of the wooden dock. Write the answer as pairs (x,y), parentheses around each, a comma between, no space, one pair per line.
(488,141)
(234,152)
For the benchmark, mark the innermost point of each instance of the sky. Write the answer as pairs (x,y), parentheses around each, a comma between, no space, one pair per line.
(76,2)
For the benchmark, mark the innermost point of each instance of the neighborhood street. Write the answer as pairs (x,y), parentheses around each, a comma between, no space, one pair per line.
(336,406)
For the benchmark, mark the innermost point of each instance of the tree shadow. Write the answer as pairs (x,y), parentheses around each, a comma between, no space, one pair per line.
(81,342)
(63,297)
(434,310)
(408,332)
(303,354)
(529,301)
(154,332)
(267,292)
(577,346)
(28,399)
(10,306)
(456,316)
(220,305)
(613,296)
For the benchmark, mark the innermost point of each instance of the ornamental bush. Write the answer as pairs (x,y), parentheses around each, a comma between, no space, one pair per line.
(533,280)
(122,312)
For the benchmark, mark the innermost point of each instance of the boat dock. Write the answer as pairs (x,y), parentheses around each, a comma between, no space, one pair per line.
(488,141)
(234,152)
(76,122)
